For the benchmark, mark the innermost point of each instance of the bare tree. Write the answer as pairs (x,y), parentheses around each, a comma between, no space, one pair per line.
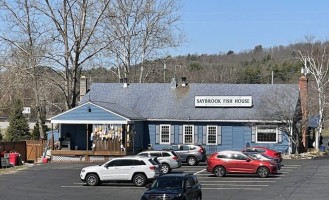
(282,104)
(77,37)
(315,59)
(141,30)
(24,38)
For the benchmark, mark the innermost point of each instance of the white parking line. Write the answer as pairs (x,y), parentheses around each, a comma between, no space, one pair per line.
(237,181)
(105,187)
(235,178)
(239,185)
(199,171)
(258,189)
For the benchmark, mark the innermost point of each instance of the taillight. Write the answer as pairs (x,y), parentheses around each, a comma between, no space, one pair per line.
(152,167)
(175,158)
(201,150)
(277,154)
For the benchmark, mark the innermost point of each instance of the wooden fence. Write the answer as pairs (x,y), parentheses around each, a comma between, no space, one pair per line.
(30,150)
(34,149)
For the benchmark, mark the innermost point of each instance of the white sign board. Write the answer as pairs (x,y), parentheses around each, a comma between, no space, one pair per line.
(26,110)
(223,101)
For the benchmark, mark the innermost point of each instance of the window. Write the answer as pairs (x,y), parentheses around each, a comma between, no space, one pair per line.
(266,134)
(165,154)
(164,134)
(155,154)
(184,148)
(211,135)
(188,134)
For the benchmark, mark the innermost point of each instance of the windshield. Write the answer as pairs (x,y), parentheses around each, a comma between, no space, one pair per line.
(167,183)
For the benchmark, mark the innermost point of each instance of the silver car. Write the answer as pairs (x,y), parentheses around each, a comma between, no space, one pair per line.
(259,156)
(192,154)
(169,159)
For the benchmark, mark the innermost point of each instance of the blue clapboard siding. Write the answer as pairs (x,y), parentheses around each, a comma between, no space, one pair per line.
(77,134)
(81,113)
(234,137)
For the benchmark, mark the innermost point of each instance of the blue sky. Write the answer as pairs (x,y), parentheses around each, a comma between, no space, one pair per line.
(217,26)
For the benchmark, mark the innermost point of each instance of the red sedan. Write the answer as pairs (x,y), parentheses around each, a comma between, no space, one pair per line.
(226,162)
(263,150)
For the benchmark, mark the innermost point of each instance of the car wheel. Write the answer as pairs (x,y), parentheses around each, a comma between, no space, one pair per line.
(199,197)
(92,179)
(191,161)
(165,168)
(139,180)
(263,172)
(219,171)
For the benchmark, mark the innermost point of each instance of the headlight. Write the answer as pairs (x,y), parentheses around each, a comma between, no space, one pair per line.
(178,195)
(82,171)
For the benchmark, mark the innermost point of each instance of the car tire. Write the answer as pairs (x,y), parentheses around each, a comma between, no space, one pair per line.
(165,168)
(139,180)
(219,171)
(199,197)
(92,179)
(263,172)
(191,161)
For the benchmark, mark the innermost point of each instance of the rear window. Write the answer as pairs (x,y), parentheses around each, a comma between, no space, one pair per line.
(153,162)
(174,153)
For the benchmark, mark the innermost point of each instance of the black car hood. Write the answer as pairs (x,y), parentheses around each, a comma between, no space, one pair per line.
(164,191)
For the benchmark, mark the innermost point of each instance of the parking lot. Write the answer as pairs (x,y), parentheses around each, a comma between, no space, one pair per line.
(298,179)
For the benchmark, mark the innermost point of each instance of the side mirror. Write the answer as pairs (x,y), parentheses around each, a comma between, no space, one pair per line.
(248,159)
(148,185)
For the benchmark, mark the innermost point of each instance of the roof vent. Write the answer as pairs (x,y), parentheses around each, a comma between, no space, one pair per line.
(184,83)
(173,83)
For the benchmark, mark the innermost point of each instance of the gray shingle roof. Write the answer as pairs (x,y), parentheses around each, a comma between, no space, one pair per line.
(158,101)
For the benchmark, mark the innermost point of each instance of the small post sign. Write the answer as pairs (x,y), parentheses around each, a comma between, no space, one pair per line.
(26,110)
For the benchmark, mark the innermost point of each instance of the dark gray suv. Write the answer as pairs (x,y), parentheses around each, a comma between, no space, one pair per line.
(191,154)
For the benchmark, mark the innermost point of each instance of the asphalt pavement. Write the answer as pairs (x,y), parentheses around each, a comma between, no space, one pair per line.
(297,180)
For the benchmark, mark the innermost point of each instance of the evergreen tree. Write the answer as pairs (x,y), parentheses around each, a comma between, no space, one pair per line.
(18,129)
(36,132)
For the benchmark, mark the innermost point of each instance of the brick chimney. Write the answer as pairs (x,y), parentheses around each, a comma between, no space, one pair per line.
(83,86)
(303,100)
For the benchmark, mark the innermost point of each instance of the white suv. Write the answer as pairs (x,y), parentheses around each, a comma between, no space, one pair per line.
(137,169)
(169,159)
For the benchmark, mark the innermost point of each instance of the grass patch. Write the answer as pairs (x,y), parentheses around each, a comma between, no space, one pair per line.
(11,169)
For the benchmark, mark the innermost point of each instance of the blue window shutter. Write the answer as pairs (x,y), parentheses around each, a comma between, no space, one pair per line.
(172,134)
(280,137)
(157,134)
(204,135)
(180,139)
(253,134)
(219,135)
(196,133)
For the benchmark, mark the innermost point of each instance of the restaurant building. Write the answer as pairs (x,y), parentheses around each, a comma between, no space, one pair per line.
(116,119)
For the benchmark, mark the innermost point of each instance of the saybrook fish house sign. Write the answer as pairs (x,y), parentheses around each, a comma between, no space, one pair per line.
(223,101)
(126,118)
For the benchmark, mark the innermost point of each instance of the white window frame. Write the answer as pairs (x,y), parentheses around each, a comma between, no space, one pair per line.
(185,134)
(207,143)
(269,127)
(162,125)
